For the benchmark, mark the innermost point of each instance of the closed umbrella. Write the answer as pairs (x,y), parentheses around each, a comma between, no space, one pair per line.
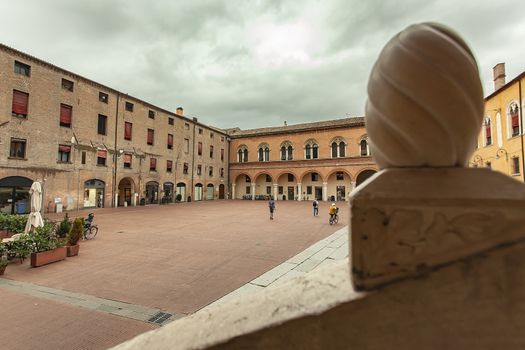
(35,219)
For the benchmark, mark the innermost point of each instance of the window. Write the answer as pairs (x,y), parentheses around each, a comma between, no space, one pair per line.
(514,119)
(185,168)
(341,149)
(102,97)
(151,136)
(170,141)
(338,148)
(222,138)
(290,153)
(268,178)
(102,122)
(315,177)
(210,171)
(153,164)
(211,135)
(18,148)
(286,151)
(488,132)
(101,157)
(20,103)
(126,158)
(242,154)
(67,85)
(222,154)
(290,177)
(248,190)
(186,145)
(363,147)
(199,169)
(65,115)
(315,151)
(211,151)
(339,176)
(128,128)
(307,151)
(22,68)
(200,131)
(248,179)
(186,126)
(268,189)
(64,153)
(169,166)
(264,153)
(334,150)
(83,157)
(280,189)
(171,121)
(515,166)
(199,149)
(151,114)
(308,189)
(222,172)
(311,149)
(129,106)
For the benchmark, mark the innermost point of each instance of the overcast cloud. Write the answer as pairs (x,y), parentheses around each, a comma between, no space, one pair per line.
(249,63)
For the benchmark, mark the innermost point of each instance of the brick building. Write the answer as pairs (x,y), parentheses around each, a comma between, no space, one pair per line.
(93,146)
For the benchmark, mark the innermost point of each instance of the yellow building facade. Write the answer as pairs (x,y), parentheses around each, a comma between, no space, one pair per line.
(501,139)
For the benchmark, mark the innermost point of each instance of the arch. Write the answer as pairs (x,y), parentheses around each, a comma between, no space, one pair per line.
(311,149)
(94,192)
(168,192)
(286,150)
(364,175)
(513,119)
(263,187)
(180,192)
(263,152)
(126,189)
(338,170)
(287,188)
(338,147)
(15,195)
(262,173)
(210,191)
(221,191)
(242,153)
(242,186)
(197,192)
(152,192)
(238,176)
(338,185)
(311,185)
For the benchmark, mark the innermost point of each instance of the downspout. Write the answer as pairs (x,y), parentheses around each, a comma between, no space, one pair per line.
(114,197)
(228,163)
(521,131)
(192,162)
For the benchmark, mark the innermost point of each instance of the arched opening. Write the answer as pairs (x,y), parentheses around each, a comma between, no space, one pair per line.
(263,186)
(197,193)
(287,187)
(14,195)
(126,188)
(168,194)
(338,186)
(312,186)
(94,191)
(363,147)
(363,176)
(181,192)
(221,191)
(243,187)
(210,192)
(152,192)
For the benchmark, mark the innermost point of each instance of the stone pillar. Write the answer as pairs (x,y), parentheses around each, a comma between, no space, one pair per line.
(253,191)
(325,191)
(352,186)
(275,191)
(233,191)
(300,190)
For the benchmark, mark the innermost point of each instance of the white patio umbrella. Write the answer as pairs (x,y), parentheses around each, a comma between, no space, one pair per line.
(35,219)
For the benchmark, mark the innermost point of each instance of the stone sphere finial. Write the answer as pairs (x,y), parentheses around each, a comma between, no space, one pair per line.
(425,100)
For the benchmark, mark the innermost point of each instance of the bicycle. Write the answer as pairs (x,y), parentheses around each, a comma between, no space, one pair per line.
(90,229)
(334,219)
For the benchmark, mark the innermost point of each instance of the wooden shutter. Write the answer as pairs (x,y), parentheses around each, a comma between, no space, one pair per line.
(170,140)
(152,163)
(102,154)
(127,158)
(65,115)
(515,120)
(20,100)
(127,130)
(64,148)
(150,136)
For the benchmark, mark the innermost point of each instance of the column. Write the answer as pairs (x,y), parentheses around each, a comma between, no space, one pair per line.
(275,191)
(300,190)
(233,191)
(352,186)
(325,191)
(253,191)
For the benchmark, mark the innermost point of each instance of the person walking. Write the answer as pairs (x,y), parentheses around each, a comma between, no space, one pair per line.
(316,207)
(271,205)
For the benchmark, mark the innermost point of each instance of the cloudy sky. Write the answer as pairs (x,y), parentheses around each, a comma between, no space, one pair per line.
(249,63)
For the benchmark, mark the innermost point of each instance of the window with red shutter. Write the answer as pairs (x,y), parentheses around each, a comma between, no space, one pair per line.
(152,164)
(65,115)
(127,160)
(488,134)
(101,157)
(20,102)
(150,136)
(170,141)
(127,130)
(169,165)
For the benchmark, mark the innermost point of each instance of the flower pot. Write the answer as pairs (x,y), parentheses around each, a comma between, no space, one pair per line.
(48,257)
(72,250)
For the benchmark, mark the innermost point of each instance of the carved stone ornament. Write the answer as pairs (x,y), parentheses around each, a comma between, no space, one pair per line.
(424,210)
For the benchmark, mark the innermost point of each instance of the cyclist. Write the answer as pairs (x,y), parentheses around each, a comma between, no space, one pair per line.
(333,210)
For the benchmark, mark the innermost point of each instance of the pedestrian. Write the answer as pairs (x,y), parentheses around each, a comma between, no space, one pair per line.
(316,207)
(271,205)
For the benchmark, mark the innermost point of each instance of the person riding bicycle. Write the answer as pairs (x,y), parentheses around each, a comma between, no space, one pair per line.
(333,210)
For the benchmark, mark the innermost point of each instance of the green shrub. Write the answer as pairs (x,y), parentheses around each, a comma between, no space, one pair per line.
(178,198)
(64,227)
(76,231)
(44,238)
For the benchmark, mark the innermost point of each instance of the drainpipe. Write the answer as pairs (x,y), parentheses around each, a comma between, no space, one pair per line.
(228,169)
(192,161)
(521,130)
(114,196)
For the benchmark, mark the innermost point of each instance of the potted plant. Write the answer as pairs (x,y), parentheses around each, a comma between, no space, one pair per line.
(73,237)
(45,247)
(64,227)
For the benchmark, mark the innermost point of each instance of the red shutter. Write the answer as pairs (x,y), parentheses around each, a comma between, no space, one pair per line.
(65,115)
(199,148)
(153,163)
(127,158)
(515,120)
(150,136)
(20,102)
(102,154)
(487,131)
(64,148)
(127,130)
(170,140)
(169,165)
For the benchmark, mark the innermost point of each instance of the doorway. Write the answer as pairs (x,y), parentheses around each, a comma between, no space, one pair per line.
(319,193)
(291,195)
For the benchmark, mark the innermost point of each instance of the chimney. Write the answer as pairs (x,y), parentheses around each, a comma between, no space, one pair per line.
(180,111)
(499,75)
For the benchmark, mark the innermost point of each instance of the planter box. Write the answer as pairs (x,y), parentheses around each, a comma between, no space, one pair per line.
(51,256)
(72,250)
(2,270)
(4,234)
